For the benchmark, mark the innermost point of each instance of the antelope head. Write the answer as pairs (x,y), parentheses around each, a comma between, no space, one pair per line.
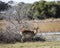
(36,30)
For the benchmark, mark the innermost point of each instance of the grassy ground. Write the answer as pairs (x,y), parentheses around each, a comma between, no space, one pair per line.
(47,26)
(32,45)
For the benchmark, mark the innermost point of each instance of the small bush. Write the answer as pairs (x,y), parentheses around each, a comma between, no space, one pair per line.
(9,37)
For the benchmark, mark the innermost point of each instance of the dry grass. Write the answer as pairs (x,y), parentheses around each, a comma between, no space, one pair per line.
(49,27)
(32,45)
(46,25)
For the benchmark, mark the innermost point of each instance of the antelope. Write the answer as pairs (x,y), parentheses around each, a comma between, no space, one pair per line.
(27,35)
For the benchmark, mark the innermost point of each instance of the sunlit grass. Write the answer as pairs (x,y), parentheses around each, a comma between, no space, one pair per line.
(32,45)
(49,27)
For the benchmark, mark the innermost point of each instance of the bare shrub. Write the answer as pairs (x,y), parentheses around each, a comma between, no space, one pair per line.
(9,36)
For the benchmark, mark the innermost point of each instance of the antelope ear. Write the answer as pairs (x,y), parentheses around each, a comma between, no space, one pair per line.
(34,31)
